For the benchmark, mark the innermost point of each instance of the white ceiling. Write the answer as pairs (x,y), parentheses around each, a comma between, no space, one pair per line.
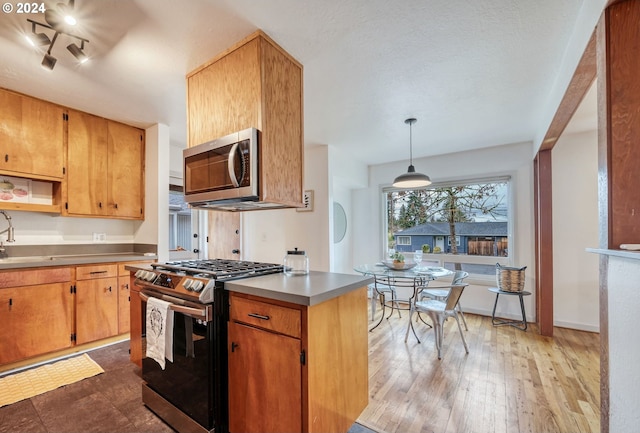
(474,73)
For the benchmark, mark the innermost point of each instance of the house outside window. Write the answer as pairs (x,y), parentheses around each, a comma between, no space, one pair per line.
(475,213)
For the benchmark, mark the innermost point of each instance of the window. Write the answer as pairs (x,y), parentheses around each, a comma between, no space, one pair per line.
(474,213)
(404,240)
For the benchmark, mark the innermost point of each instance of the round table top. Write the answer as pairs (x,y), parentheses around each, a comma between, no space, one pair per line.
(504,292)
(380,269)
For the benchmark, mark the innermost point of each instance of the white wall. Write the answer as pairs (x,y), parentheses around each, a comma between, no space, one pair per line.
(268,234)
(575,227)
(155,227)
(624,351)
(346,174)
(513,160)
(332,174)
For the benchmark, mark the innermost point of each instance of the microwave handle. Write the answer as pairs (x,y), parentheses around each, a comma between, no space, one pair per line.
(231,163)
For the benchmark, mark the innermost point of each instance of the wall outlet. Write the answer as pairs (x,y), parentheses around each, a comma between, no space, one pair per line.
(99,237)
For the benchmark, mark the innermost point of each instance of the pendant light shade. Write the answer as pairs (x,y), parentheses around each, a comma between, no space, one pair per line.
(411,179)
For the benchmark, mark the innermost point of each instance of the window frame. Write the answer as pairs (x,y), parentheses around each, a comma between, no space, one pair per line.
(443,258)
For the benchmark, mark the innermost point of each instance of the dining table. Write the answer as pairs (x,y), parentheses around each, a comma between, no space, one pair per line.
(390,280)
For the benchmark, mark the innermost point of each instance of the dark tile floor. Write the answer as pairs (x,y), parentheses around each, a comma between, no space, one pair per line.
(109,402)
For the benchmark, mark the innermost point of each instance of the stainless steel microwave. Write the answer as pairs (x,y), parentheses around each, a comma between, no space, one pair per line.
(222,171)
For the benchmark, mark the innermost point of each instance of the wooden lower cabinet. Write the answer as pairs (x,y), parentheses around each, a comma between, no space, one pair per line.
(267,381)
(96,309)
(35,320)
(296,368)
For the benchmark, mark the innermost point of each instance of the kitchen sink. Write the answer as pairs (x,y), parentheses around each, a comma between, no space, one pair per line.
(26,259)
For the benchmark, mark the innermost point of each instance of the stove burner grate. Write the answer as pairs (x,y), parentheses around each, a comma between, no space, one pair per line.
(220,268)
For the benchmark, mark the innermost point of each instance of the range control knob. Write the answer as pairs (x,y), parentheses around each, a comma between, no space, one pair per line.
(187,284)
(149,276)
(198,286)
(138,273)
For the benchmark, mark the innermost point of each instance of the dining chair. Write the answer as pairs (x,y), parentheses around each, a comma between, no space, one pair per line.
(375,289)
(439,311)
(440,293)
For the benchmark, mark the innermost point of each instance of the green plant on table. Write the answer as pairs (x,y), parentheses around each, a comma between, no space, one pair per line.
(397,258)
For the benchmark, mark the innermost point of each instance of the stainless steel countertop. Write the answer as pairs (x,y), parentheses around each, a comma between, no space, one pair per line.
(68,260)
(310,289)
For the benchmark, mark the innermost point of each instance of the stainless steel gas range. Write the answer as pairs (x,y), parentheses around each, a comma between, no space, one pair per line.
(190,393)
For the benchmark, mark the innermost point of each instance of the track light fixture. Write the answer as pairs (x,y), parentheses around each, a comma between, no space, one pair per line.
(60,20)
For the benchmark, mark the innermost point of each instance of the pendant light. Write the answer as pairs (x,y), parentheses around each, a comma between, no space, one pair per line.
(411,179)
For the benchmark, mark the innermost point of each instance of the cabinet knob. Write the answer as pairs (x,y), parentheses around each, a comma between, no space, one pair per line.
(6,157)
(100,205)
(233,346)
(109,288)
(115,205)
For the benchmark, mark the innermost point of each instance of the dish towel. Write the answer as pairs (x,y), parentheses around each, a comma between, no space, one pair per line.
(159,330)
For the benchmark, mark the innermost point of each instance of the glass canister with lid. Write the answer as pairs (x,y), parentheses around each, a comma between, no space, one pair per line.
(296,262)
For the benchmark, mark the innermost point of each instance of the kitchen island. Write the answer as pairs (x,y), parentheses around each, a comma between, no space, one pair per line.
(297,351)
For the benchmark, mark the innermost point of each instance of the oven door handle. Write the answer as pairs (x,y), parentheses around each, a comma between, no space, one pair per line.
(203,313)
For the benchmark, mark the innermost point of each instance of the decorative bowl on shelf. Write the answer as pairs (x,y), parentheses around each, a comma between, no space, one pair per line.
(398,266)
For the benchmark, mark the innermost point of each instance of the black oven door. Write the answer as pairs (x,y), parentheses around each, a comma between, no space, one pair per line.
(195,382)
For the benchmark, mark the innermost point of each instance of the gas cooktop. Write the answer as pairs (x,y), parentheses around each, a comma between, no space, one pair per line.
(219,268)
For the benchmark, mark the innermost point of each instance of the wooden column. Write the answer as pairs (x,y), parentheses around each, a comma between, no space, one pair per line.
(543,219)
(619,122)
(618,45)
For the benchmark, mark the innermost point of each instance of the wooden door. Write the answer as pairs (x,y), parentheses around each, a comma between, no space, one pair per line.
(87,164)
(124,299)
(224,235)
(35,320)
(96,309)
(32,136)
(126,171)
(265,381)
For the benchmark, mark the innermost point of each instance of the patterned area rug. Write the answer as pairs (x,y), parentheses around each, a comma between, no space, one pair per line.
(29,383)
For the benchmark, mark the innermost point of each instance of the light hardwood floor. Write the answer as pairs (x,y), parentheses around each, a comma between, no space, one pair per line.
(511,381)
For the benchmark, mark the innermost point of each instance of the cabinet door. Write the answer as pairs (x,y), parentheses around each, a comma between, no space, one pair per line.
(32,136)
(96,309)
(87,165)
(126,171)
(35,320)
(123,304)
(224,97)
(265,381)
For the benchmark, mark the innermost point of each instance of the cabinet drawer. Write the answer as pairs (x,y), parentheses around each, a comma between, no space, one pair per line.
(35,276)
(266,316)
(96,271)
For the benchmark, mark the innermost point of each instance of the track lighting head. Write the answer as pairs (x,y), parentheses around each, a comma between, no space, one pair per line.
(48,62)
(77,52)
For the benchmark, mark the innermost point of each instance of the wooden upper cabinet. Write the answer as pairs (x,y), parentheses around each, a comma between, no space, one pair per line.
(105,168)
(32,137)
(254,84)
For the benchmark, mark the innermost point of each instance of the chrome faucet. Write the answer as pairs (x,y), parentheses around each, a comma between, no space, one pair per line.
(8,231)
